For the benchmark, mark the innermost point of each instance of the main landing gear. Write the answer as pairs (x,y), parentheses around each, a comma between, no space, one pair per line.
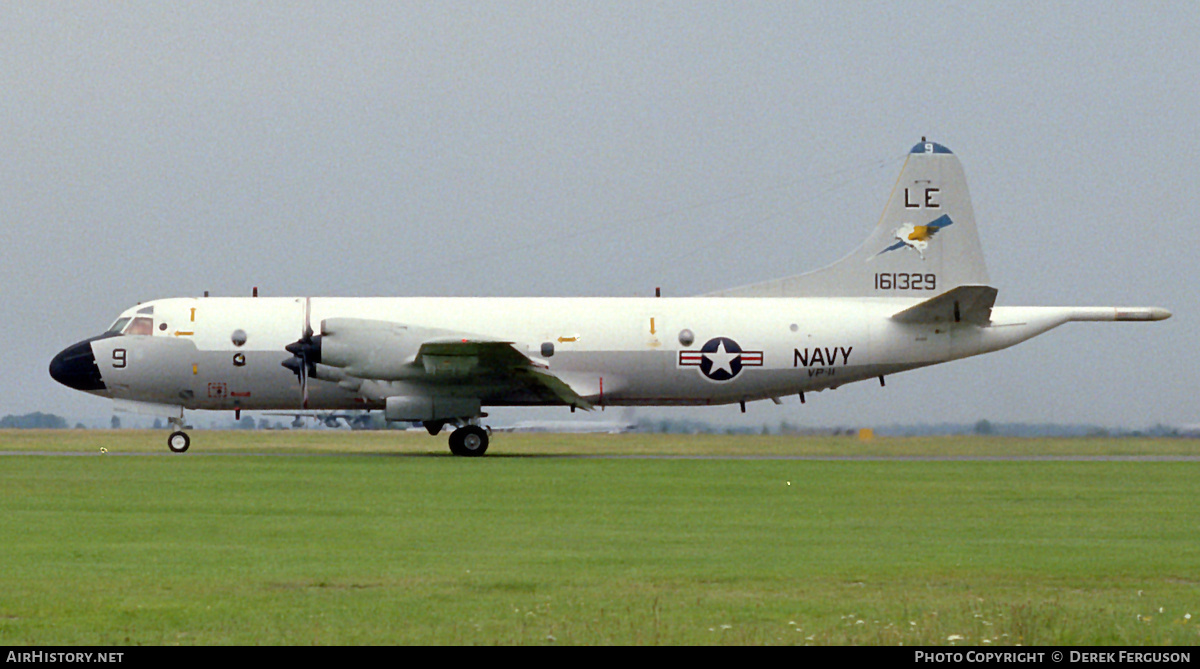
(469,441)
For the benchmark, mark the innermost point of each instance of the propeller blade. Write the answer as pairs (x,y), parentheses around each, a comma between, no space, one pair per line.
(304,390)
(306,352)
(308,331)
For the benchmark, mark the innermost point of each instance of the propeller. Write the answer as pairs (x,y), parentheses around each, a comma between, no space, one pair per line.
(306,353)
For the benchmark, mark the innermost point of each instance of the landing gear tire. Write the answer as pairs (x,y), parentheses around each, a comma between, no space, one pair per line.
(178,441)
(470,441)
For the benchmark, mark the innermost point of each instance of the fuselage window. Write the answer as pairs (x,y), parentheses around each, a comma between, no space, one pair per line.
(119,325)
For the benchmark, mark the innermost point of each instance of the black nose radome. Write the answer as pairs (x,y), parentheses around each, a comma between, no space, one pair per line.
(76,367)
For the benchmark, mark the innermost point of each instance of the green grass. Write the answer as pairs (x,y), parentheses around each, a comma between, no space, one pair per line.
(537,550)
(417,442)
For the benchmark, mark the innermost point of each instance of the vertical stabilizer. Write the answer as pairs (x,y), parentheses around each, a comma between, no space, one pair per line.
(925,243)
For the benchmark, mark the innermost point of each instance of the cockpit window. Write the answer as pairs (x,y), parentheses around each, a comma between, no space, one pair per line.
(140,326)
(119,325)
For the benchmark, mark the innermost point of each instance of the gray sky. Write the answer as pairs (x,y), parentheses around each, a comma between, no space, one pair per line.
(161,149)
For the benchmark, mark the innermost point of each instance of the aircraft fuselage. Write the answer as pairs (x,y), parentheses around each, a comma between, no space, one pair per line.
(227,353)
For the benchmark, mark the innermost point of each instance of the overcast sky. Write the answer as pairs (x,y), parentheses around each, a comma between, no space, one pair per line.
(162,149)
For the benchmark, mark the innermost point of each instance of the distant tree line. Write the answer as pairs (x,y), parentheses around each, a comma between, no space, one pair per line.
(361,420)
(33,421)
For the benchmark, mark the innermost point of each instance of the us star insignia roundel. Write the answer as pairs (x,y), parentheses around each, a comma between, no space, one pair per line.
(720,359)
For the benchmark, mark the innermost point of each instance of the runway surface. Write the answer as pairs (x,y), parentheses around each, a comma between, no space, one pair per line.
(819,458)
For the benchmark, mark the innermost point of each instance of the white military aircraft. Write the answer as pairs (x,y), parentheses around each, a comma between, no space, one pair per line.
(914,294)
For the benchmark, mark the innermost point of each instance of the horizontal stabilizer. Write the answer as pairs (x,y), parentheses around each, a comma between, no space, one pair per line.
(1119,314)
(964,304)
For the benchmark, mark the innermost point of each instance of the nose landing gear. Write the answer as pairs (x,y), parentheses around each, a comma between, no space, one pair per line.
(178,441)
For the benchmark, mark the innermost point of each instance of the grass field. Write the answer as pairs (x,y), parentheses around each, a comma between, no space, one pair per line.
(357,546)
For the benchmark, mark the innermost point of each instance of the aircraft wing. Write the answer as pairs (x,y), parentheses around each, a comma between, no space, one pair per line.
(389,351)
(484,358)
(455,356)
(964,304)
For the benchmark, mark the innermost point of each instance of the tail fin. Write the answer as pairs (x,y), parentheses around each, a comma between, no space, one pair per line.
(925,243)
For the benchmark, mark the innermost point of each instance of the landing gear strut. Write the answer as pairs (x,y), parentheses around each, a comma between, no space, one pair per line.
(178,441)
(469,441)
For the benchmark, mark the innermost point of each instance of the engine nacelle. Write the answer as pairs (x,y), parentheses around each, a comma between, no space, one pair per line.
(428,408)
(371,349)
